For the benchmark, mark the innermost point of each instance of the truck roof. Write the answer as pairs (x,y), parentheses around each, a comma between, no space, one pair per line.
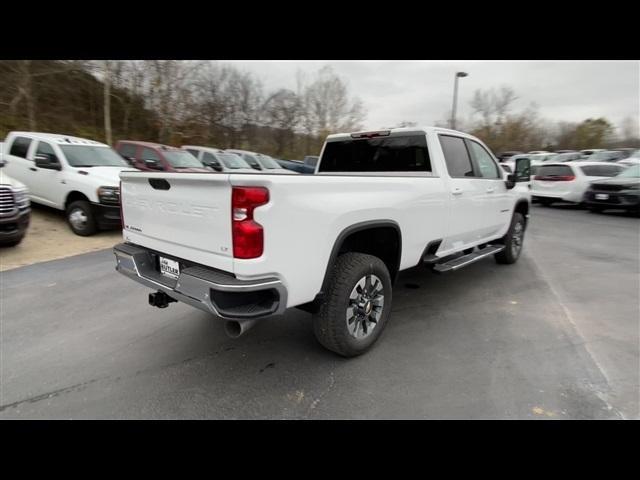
(60,139)
(159,146)
(204,149)
(393,131)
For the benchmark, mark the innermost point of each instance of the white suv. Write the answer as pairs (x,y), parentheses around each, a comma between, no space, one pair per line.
(68,173)
(568,181)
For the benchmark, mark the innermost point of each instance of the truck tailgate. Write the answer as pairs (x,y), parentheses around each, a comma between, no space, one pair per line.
(186,215)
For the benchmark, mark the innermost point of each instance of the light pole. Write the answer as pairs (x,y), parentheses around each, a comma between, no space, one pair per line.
(455,97)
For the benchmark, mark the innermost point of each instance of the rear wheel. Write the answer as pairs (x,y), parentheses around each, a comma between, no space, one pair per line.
(81,218)
(357,305)
(513,241)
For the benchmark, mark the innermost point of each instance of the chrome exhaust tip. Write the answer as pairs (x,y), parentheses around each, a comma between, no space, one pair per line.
(237,328)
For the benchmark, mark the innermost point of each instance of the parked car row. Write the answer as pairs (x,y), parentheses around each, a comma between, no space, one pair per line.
(626,156)
(596,185)
(82,177)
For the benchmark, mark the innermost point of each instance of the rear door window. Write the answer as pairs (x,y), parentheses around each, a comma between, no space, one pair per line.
(127,151)
(148,154)
(193,152)
(601,170)
(20,147)
(388,154)
(555,171)
(209,159)
(456,156)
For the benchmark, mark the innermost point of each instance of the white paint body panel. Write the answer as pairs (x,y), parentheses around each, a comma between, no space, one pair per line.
(307,213)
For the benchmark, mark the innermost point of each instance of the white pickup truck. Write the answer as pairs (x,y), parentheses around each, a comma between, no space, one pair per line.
(247,246)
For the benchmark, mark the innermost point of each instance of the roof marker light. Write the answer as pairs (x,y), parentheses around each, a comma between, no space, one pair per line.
(380,133)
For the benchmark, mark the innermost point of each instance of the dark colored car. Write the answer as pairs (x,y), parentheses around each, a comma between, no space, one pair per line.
(311,160)
(296,166)
(156,157)
(619,192)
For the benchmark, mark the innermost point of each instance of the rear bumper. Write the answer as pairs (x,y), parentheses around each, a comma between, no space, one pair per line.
(619,199)
(558,196)
(204,288)
(13,227)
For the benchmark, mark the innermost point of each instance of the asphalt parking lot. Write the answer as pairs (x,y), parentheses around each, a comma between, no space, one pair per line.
(555,336)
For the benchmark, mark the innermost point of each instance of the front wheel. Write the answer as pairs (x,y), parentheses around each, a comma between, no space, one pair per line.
(357,305)
(512,241)
(81,218)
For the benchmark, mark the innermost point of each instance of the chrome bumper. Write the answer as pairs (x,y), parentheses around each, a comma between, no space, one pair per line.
(206,289)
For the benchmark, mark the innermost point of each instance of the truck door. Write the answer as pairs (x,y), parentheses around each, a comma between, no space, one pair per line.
(467,195)
(47,184)
(493,196)
(16,157)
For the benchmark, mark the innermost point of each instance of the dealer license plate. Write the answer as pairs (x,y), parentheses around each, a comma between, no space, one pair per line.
(169,268)
(602,196)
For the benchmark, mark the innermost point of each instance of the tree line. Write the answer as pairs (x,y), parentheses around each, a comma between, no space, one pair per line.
(176,102)
(207,103)
(495,120)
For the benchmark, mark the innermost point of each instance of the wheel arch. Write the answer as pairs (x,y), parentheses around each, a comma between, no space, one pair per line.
(74,196)
(348,240)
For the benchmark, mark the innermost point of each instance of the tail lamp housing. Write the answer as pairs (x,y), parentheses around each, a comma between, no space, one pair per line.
(247,234)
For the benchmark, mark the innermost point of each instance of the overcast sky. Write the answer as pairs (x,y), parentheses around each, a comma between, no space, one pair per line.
(421,91)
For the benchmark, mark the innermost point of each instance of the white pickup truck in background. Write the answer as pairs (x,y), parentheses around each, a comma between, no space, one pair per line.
(247,246)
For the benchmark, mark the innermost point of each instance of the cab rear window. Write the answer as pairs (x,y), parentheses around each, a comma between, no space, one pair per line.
(389,154)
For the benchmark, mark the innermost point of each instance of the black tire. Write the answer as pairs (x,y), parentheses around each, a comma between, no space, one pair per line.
(12,243)
(86,227)
(330,323)
(511,253)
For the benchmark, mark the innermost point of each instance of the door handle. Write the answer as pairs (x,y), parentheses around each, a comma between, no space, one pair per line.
(457,191)
(33,169)
(490,190)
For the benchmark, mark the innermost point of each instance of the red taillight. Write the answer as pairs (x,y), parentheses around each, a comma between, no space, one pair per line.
(121,212)
(248,237)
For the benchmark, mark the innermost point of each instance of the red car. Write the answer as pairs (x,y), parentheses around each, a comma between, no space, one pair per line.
(157,157)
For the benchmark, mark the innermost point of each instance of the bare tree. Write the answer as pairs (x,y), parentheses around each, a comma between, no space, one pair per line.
(107,102)
(243,97)
(168,87)
(282,110)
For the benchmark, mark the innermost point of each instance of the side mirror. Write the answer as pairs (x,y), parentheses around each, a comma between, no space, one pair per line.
(216,166)
(521,172)
(48,161)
